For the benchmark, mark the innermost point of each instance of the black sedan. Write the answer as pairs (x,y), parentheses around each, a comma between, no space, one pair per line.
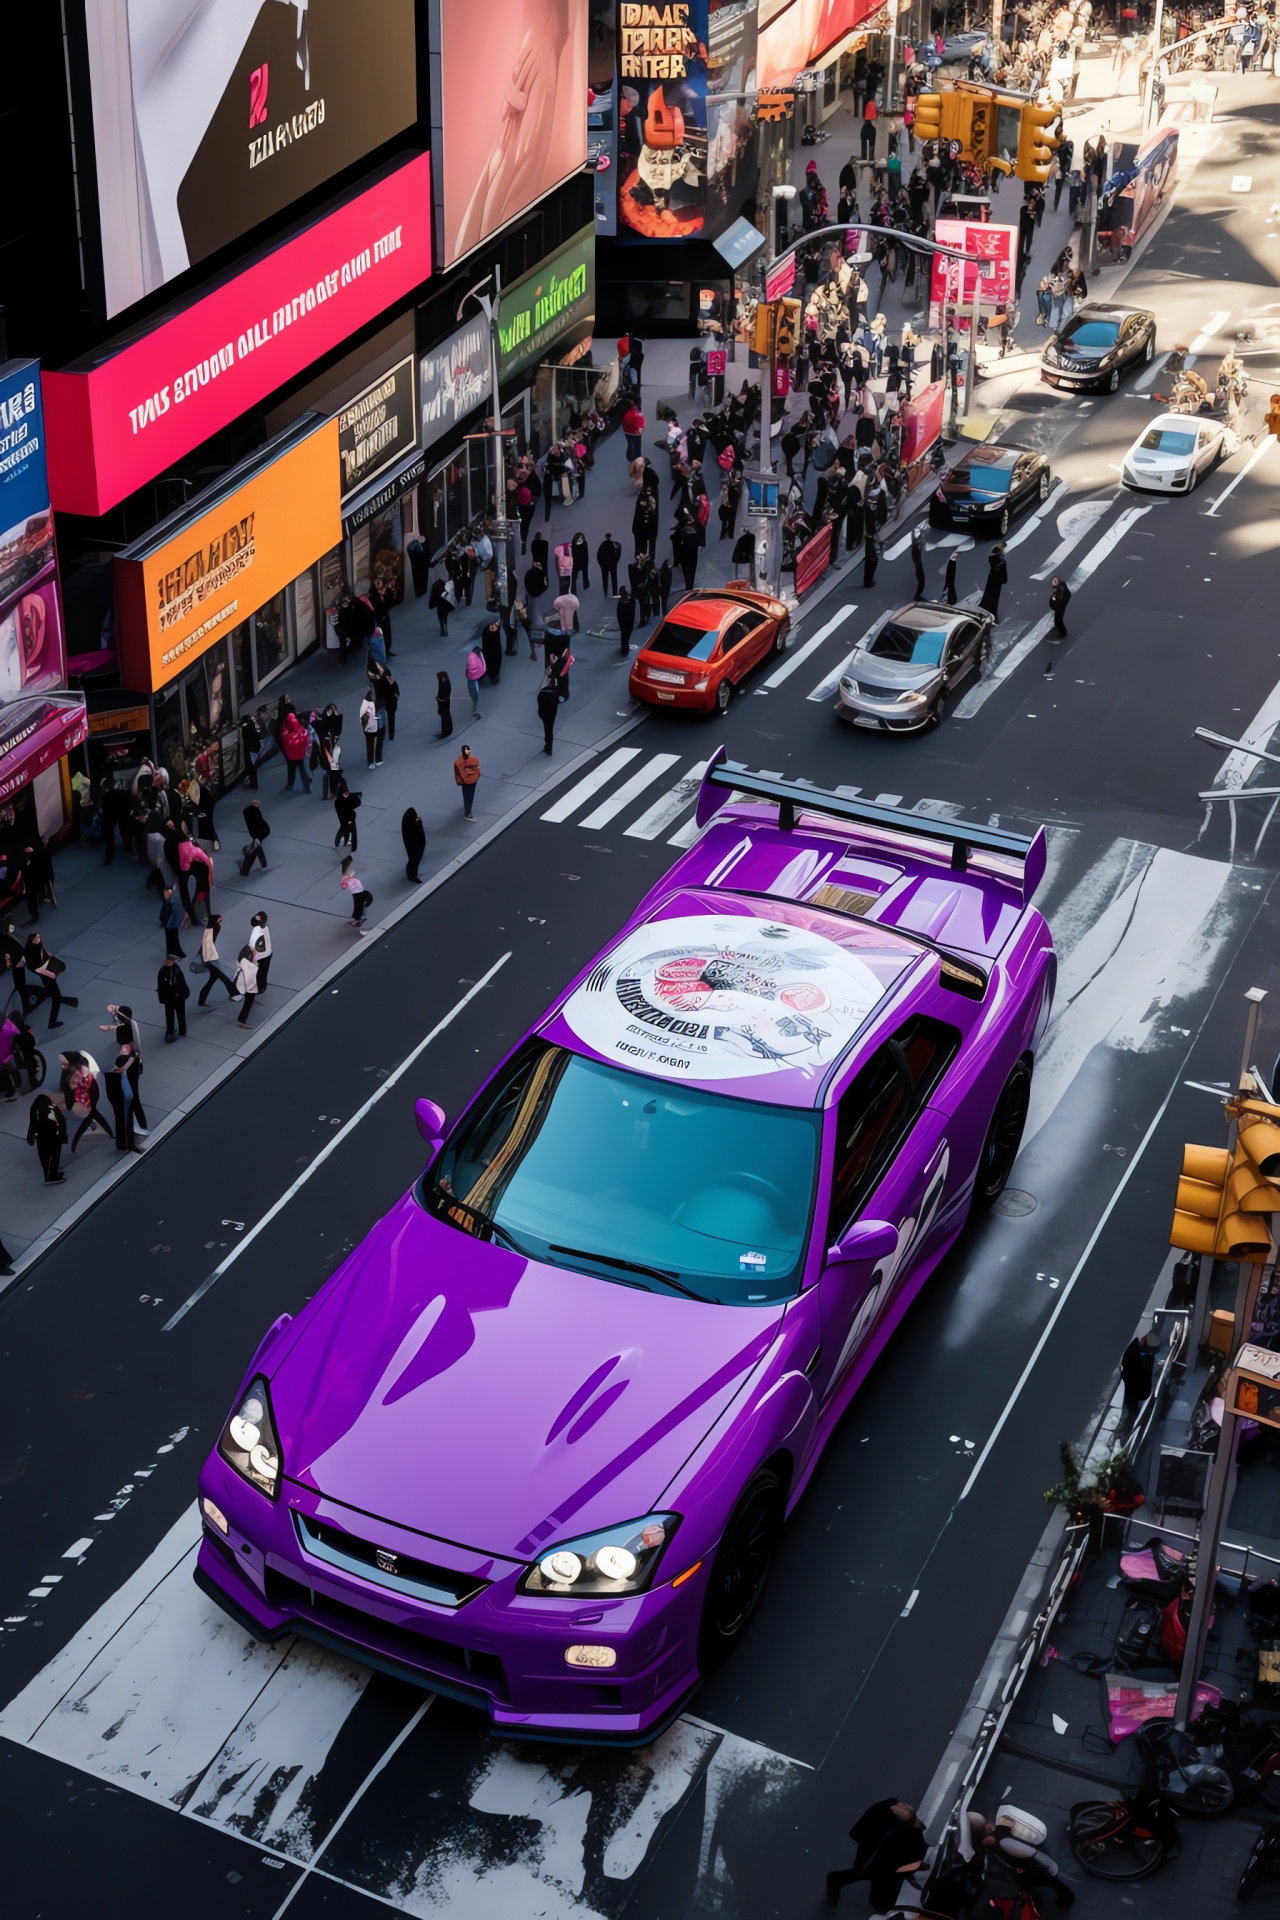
(990,488)
(1096,346)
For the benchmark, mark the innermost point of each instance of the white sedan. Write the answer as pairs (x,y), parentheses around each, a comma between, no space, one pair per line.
(1175,450)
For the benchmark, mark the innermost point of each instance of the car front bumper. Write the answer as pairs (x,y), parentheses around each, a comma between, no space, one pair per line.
(879,716)
(1074,382)
(1144,481)
(657,695)
(502,1652)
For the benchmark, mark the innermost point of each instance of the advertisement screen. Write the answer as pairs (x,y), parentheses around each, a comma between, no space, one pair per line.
(994,245)
(558,295)
(177,595)
(118,418)
(210,118)
(377,428)
(798,35)
(510,132)
(32,648)
(454,378)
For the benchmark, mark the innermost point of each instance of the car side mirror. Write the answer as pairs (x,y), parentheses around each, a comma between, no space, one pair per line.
(865,1240)
(431,1121)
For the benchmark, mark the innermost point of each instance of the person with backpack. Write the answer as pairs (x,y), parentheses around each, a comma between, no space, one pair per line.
(891,1847)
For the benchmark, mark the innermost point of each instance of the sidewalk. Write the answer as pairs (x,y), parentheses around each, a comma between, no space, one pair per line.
(106,924)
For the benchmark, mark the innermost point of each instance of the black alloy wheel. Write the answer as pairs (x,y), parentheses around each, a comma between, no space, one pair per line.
(779,640)
(1004,1136)
(1044,487)
(1114,382)
(741,1566)
(1105,1841)
(933,719)
(724,694)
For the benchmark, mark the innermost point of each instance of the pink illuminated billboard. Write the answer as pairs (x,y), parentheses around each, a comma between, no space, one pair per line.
(118,417)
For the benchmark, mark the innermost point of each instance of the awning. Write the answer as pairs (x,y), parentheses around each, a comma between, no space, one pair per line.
(36,732)
(368,504)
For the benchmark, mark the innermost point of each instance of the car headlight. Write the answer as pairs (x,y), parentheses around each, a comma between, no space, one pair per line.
(848,686)
(621,1559)
(249,1445)
(919,698)
(700,686)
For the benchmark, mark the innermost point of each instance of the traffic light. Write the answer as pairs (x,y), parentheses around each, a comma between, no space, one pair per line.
(766,328)
(789,312)
(943,116)
(1273,416)
(1223,1196)
(1036,143)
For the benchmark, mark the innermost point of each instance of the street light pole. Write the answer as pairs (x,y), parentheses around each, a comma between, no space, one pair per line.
(1157,35)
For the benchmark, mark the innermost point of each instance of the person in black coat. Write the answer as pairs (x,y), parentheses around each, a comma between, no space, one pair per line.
(1059,597)
(644,522)
(414,835)
(118,1100)
(444,705)
(949,583)
(744,554)
(383,600)
(891,1845)
(997,577)
(173,993)
(258,831)
(608,554)
(685,545)
(490,637)
(344,805)
(870,556)
(548,708)
(47,1133)
(664,586)
(580,554)
(626,620)
(643,586)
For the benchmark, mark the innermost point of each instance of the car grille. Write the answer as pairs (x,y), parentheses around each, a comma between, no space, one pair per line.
(319,1615)
(440,1586)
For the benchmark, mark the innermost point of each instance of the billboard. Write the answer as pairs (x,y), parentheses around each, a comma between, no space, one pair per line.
(996,246)
(177,592)
(510,133)
(119,416)
(377,428)
(209,119)
(454,378)
(798,35)
(558,295)
(32,645)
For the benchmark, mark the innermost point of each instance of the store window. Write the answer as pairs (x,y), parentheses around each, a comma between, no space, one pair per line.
(444,505)
(242,657)
(657,300)
(270,639)
(386,554)
(304,610)
(170,733)
(333,584)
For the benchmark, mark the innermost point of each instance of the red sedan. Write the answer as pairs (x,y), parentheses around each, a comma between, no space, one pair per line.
(707,644)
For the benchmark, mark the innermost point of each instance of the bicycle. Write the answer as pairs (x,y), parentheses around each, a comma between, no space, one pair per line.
(1123,1839)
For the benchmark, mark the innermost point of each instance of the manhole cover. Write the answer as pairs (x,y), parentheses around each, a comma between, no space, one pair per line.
(1013,1201)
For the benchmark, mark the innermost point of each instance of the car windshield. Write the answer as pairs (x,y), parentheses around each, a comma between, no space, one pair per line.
(1091,333)
(686,643)
(919,647)
(985,479)
(1168,440)
(584,1165)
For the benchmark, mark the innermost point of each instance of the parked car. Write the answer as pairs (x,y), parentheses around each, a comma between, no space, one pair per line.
(1175,450)
(989,488)
(533,1444)
(1097,345)
(900,673)
(706,645)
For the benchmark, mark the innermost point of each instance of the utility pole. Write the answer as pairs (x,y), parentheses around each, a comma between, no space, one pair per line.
(502,529)
(1157,36)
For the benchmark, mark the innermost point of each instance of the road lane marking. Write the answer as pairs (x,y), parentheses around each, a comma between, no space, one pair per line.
(915,1595)
(1247,468)
(665,812)
(1074,524)
(982,690)
(332,1144)
(1025,532)
(801,654)
(1109,541)
(1238,765)
(591,783)
(643,777)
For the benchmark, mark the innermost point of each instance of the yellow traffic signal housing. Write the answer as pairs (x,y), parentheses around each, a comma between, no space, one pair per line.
(1036,144)
(789,315)
(944,116)
(1222,1196)
(1199,1203)
(928,120)
(766,328)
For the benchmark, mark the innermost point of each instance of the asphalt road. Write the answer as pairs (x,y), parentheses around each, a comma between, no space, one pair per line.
(232,1782)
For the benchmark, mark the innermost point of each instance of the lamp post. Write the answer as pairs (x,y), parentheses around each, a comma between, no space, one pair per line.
(502,529)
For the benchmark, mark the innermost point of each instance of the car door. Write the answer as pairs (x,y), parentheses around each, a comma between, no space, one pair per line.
(890,1161)
(960,649)
(1020,484)
(736,644)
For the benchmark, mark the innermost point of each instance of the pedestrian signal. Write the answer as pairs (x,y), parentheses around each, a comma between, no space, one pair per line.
(789,312)
(1036,143)
(1273,416)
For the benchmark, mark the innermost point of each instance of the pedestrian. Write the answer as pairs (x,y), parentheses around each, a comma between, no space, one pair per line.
(195,878)
(564,564)
(626,620)
(371,725)
(444,705)
(870,556)
(328,731)
(558,661)
(891,1847)
(466,772)
(581,557)
(251,747)
(869,128)
(917,556)
(171,921)
(566,606)
(664,587)
(247,977)
(173,993)
(1137,1370)
(686,545)
(949,581)
(632,428)
(548,703)
(490,637)
(260,941)
(997,578)
(258,831)
(295,745)
(386,693)
(209,954)
(475,674)
(118,1100)
(414,836)
(46,967)
(1014,1871)
(344,805)
(608,554)
(1059,596)
(47,1133)
(440,600)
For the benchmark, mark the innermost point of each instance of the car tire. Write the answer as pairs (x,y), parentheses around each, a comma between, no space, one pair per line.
(1004,1136)
(724,695)
(1002,524)
(779,641)
(1151,347)
(933,719)
(1114,382)
(741,1566)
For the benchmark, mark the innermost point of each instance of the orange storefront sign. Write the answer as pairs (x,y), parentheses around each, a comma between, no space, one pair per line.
(176,599)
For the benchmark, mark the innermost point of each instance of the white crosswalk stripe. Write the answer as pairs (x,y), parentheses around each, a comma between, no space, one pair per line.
(801,654)
(665,812)
(643,777)
(591,783)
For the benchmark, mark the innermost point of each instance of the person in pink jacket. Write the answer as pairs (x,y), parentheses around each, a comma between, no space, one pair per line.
(295,745)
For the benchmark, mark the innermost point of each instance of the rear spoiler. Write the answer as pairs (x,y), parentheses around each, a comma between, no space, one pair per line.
(725,777)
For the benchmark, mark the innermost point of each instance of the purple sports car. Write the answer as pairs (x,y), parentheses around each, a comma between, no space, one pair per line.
(534,1443)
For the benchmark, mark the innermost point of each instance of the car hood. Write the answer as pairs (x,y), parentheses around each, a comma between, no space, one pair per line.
(1150,457)
(973,489)
(458,1389)
(1067,349)
(894,676)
